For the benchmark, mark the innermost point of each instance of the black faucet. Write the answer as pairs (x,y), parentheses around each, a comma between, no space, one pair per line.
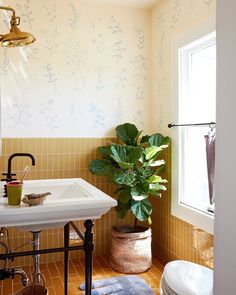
(9,174)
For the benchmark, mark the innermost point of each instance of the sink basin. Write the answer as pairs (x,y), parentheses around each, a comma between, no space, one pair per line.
(70,199)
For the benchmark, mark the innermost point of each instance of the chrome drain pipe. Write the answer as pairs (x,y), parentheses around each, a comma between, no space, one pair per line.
(24,278)
(36,258)
(11,272)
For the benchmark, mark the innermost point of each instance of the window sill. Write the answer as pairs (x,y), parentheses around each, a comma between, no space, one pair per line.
(204,221)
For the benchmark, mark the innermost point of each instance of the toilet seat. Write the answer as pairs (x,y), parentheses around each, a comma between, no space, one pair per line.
(186,278)
(165,289)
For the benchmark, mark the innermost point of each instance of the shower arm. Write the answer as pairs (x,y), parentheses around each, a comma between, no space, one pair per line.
(9,9)
(15,20)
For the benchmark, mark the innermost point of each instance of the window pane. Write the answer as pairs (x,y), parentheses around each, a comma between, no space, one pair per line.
(203,84)
(197,105)
(195,182)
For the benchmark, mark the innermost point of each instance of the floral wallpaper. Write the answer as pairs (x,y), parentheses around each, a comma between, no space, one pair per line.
(173,238)
(88,70)
(170,19)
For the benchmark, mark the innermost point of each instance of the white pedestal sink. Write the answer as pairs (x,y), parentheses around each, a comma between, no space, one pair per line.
(70,199)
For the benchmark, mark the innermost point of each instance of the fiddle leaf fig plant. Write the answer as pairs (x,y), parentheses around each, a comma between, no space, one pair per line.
(134,166)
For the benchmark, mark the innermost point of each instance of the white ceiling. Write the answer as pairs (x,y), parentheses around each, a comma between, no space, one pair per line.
(147,4)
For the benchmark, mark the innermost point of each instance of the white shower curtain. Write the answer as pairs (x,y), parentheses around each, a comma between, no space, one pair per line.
(210,155)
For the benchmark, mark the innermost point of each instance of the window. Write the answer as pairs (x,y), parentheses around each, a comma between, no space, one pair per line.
(196,104)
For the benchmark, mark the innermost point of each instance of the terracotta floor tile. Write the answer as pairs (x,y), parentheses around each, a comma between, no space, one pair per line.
(72,269)
(74,278)
(57,283)
(53,270)
(59,264)
(156,291)
(7,287)
(102,262)
(153,283)
(43,266)
(17,287)
(80,270)
(71,289)
(155,272)
(51,291)
(48,278)
(156,264)
(61,271)
(75,261)
(17,279)
(54,276)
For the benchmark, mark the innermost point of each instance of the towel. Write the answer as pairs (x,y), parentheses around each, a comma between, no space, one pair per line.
(122,285)
(210,154)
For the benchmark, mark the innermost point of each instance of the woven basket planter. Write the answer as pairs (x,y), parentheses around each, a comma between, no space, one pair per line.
(131,251)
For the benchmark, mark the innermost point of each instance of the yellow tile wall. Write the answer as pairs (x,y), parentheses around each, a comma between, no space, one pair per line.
(174,238)
(65,158)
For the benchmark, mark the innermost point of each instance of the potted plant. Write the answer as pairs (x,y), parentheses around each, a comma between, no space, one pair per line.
(134,167)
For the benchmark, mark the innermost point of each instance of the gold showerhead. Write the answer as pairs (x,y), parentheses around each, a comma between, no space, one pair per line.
(15,38)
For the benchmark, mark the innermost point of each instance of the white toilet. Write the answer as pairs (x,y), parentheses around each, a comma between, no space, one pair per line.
(186,278)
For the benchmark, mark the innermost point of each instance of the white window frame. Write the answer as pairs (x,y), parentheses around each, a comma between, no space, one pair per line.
(195,217)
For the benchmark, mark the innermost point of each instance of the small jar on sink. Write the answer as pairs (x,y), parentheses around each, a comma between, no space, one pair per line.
(14,192)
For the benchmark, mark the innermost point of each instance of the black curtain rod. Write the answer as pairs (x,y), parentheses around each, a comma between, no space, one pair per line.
(196,124)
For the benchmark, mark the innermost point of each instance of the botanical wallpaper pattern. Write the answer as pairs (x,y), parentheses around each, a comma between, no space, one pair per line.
(170,19)
(88,70)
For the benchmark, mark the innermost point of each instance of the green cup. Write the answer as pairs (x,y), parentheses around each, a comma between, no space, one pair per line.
(14,191)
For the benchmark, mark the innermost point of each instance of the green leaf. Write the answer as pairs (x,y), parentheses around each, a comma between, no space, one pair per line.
(139,133)
(156,178)
(155,193)
(157,187)
(140,191)
(145,139)
(126,156)
(124,196)
(119,188)
(145,171)
(101,167)
(151,152)
(126,165)
(134,154)
(160,169)
(122,209)
(128,133)
(141,209)
(159,140)
(157,163)
(118,153)
(105,151)
(139,197)
(125,178)
(154,188)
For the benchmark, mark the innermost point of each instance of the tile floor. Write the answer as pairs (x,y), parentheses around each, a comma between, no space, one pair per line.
(53,273)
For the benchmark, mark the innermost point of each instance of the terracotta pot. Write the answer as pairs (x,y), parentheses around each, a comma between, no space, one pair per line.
(131,251)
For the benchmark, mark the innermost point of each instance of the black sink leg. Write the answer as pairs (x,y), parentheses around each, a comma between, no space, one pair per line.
(66,257)
(88,248)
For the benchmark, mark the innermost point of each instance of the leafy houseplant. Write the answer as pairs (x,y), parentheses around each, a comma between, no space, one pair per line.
(134,167)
